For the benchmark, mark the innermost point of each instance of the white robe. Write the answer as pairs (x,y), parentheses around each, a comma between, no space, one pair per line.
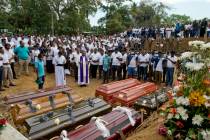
(60,78)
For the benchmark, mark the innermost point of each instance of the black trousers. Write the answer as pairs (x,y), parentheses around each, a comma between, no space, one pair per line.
(164,74)
(123,66)
(49,66)
(119,72)
(100,70)
(40,85)
(106,76)
(75,72)
(13,69)
(94,71)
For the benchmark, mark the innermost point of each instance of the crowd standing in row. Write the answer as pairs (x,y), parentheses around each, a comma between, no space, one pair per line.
(107,58)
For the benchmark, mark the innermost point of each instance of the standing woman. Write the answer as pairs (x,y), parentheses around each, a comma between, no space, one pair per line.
(39,65)
(59,62)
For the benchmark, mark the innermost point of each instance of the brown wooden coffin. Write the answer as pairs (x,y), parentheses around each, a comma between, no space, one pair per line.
(117,122)
(70,117)
(107,91)
(22,111)
(128,96)
(22,97)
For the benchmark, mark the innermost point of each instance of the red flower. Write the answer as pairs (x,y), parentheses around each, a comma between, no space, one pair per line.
(163,130)
(173,110)
(3,121)
(179,124)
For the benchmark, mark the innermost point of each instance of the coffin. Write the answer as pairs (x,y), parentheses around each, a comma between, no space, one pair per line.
(45,124)
(107,91)
(22,111)
(117,122)
(149,103)
(127,97)
(22,97)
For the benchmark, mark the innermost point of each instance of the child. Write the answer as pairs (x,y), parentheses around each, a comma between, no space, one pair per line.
(106,67)
(39,65)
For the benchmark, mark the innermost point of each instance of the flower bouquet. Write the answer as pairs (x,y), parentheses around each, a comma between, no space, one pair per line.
(3,123)
(187,114)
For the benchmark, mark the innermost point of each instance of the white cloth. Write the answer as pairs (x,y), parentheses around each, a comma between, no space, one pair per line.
(132,63)
(35,54)
(124,58)
(64,135)
(60,78)
(115,61)
(76,57)
(169,63)
(101,60)
(10,54)
(101,125)
(128,113)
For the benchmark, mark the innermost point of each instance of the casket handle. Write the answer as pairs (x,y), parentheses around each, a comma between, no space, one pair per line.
(78,127)
(55,138)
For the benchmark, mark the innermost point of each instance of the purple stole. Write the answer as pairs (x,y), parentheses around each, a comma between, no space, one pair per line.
(81,70)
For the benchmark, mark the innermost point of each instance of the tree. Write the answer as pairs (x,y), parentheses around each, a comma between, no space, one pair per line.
(172,19)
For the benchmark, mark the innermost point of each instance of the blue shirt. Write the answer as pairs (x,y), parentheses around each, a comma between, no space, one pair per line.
(39,65)
(106,62)
(22,52)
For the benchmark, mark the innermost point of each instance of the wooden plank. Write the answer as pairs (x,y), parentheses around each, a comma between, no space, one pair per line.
(32,95)
(21,111)
(37,129)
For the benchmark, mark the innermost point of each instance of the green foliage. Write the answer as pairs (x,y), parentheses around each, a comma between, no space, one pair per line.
(172,19)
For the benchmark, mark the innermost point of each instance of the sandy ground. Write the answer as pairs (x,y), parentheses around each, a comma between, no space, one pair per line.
(27,83)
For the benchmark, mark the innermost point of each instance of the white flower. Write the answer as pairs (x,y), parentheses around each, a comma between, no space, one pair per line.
(38,107)
(186,55)
(196,43)
(169,132)
(170,116)
(205,46)
(57,121)
(207,103)
(182,113)
(194,66)
(182,101)
(185,116)
(177,116)
(205,134)
(197,120)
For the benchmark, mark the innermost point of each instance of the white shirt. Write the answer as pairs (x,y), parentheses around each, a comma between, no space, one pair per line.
(143,58)
(10,54)
(101,60)
(55,51)
(159,65)
(59,60)
(76,57)
(132,63)
(169,63)
(115,61)
(124,58)
(1,61)
(5,59)
(35,54)
(94,57)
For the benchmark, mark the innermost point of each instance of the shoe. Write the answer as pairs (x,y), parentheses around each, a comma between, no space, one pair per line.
(15,78)
(12,85)
(6,86)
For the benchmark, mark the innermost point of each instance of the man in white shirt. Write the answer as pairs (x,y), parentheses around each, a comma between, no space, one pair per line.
(76,60)
(123,64)
(116,64)
(101,63)
(59,62)
(1,68)
(159,70)
(94,58)
(143,66)
(132,64)
(171,63)
(7,57)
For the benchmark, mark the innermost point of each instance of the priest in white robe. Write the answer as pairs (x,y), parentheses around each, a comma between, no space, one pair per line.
(59,62)
(83,70)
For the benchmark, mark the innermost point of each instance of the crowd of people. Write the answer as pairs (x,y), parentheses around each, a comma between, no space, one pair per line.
(107,58)
(197,28)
